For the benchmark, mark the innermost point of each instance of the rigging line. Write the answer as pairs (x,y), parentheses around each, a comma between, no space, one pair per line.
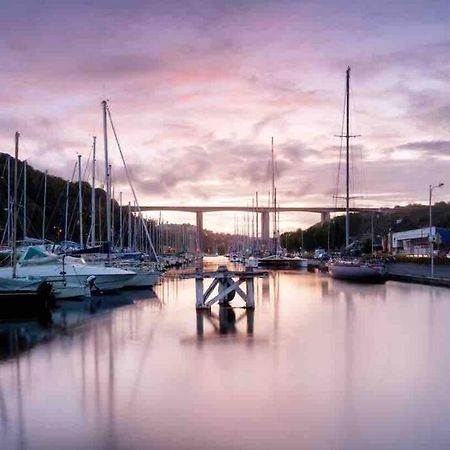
(341,135)
(131,184)
(72,223)
(88,164)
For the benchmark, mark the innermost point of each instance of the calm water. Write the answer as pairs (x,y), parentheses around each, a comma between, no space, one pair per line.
(319,364)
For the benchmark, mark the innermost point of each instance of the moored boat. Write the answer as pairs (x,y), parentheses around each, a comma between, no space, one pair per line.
(353,268)
(357,270)
(282,262)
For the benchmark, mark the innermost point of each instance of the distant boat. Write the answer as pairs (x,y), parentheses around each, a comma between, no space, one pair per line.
(282,262)
(355,269)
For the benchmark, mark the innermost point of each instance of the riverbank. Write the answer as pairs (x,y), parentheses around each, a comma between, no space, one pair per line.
(419,273)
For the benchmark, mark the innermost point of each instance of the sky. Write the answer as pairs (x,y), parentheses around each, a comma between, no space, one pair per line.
(198,88)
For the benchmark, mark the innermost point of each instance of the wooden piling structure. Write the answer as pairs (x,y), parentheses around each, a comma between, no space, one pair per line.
(228,284)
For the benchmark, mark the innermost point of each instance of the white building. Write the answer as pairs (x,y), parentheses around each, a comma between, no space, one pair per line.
(416,242)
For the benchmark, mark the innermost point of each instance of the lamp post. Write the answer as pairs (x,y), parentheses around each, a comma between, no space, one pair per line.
(431,226)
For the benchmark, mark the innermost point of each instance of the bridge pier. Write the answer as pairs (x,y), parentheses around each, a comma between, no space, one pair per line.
(200,236)
(324,217)
(265,225)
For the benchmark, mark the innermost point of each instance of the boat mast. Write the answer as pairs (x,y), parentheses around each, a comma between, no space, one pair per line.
(113,218)
(66,215)
(274,201)
(45,206)
(80,201)
(129,227)
(9,203)
(24,199)
(347,152)
(108,180)
(16,210)
(93,193)
(120,222)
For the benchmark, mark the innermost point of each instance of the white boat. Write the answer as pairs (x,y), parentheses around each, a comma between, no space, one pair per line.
(357,270)
(143,279)
(35,262)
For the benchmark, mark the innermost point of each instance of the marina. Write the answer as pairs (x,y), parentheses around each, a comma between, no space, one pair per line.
(224,225)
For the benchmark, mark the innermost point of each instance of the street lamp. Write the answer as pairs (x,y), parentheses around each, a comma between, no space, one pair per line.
(431,225)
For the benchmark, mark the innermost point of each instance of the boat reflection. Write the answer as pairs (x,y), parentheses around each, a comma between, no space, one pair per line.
(19,336)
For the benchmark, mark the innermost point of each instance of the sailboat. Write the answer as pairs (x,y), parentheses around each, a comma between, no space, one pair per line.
(31,278)
(22,296)
(277,260)
(355,268)
(144,275)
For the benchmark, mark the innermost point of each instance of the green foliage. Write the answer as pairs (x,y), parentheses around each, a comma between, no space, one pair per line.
(400,218)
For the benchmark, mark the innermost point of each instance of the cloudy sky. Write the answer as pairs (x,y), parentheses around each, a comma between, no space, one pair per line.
(197,89)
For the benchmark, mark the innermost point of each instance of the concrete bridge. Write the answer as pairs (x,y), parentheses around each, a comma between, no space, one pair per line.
(265,212)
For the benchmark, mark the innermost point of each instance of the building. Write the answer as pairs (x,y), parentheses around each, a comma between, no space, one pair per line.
(417,242)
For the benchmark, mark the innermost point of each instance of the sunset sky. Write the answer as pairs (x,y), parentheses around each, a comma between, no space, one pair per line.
(197,89)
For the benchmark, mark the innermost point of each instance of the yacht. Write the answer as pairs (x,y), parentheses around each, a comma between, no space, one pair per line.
(36,262)
(353,268)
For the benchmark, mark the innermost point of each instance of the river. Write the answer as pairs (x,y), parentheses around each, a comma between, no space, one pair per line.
(319,364)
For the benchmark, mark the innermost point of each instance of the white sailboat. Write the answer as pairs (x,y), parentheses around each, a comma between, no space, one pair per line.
(355,269)
(277,260)
(22,296)
(145,275)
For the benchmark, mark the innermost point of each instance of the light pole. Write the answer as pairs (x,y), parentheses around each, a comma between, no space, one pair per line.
(431,226)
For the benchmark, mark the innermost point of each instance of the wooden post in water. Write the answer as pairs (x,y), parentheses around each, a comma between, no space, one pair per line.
(199,289)
(250,293)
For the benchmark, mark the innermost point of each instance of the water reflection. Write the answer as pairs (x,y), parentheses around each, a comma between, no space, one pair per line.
(225,322)
(340,368)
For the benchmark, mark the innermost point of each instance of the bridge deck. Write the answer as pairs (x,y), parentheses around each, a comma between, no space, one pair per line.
(259,209)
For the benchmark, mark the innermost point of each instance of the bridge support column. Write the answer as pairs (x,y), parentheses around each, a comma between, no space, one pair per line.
(324,217)
(200,236)
(265,225)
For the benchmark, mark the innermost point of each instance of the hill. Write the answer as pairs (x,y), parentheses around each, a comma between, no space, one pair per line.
(400,218)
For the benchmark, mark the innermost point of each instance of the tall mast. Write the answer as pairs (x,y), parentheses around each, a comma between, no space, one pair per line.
(120,222)
(16,210)
(80,201)
(129,226)
(66,215)
(107,174)
(257,221)
(113,218)
(93,193)
(347,152)
(45,206)
(24,199)
(9,203)
(273,190)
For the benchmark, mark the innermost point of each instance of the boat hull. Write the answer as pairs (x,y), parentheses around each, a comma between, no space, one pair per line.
(283,263)
(27,304)
(143,280)
(357,272)
(106,279)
